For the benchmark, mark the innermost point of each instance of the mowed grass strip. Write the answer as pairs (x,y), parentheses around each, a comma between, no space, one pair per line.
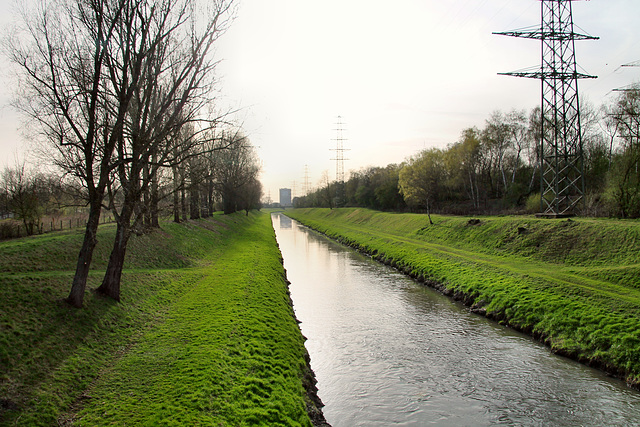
(228,353)
(548,278)
(205,334)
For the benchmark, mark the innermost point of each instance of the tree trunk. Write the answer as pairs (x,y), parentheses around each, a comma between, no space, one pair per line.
(228,202)
(155,221)
(153,211)
(79,284)
(146,197)
(210,198)
(183,202)
(194,201)
(110,286)
(176,195)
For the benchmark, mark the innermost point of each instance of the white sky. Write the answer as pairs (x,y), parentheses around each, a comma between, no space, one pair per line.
(403,75)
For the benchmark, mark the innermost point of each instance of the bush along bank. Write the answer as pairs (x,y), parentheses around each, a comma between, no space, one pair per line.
(205,333)
(572,284)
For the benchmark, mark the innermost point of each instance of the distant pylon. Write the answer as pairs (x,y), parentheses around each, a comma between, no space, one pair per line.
(307,184)
(561,160)
(339,150)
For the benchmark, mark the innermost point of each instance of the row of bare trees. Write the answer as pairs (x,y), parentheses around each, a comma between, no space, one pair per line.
(27,196)
(496,168)
(121,91)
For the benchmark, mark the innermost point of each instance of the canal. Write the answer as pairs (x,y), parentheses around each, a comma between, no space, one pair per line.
(389,351)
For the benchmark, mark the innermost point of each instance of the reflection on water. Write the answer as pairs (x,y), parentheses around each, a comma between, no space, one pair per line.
(387,351)
(285,222)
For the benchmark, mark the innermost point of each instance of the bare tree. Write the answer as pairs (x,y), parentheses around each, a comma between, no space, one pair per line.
(175,87)
(26,195)
(234,169)
(87,76)
(609,125)
(64,56)
(624,177)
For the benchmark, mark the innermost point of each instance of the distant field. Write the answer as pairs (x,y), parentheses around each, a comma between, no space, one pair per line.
(205,334)
(573,284)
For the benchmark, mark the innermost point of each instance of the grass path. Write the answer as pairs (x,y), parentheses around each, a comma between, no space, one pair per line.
(568,277)
(568,300)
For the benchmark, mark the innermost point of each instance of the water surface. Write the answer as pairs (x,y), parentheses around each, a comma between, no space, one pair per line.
(388,351)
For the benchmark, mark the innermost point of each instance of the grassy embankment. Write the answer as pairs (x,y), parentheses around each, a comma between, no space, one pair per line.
(573,284)
(205,334)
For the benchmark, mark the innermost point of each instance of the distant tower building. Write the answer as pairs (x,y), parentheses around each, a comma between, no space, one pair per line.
(285,197)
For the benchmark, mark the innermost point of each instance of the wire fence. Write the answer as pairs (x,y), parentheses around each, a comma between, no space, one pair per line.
(13,229)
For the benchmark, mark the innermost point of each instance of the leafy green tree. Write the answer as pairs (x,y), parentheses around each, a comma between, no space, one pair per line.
(463,164)
(422,180)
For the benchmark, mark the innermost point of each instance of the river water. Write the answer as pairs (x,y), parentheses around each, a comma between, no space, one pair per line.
(388,351)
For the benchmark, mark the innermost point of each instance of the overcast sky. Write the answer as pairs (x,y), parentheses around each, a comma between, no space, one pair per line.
(403,75)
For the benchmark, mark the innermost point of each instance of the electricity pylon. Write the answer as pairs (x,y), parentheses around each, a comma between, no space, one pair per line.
(340,193)
(307,183)
(561,159)
(339,150)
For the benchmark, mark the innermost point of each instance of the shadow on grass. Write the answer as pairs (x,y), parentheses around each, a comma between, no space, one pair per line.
(40,336)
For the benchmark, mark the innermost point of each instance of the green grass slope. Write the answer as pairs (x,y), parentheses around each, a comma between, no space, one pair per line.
(573,284)
(205,334)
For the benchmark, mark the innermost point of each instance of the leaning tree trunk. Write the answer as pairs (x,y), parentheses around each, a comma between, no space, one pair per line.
(76,296)
(110,286)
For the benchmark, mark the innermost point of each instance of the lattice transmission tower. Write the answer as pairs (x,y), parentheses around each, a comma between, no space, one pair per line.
(561,159)
(307,183)
(340,139)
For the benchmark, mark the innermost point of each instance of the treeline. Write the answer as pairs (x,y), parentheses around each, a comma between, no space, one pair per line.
(496,169)
(220,180)
(122,93)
